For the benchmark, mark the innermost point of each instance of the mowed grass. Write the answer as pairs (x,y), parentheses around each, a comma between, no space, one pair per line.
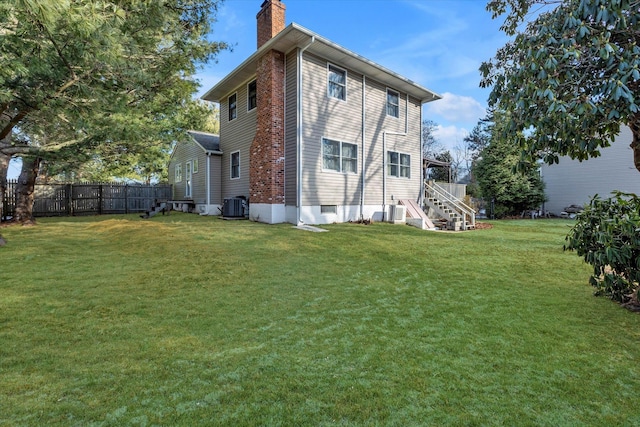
(187,320)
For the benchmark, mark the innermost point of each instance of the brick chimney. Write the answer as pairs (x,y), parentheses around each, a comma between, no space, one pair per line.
(266,168)
(270,20)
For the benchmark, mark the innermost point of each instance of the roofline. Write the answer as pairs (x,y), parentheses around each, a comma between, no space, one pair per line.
(200,145)
(281,43)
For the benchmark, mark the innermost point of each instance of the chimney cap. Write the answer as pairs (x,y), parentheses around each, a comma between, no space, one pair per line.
(265,2)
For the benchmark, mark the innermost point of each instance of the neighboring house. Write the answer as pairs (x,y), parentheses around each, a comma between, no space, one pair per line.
(311,132)
(194,172)
(571,182)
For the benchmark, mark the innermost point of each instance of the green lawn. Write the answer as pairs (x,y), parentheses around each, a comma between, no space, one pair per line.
(189,320)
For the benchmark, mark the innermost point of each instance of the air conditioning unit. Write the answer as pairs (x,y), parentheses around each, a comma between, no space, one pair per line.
(233,208)
(397,214)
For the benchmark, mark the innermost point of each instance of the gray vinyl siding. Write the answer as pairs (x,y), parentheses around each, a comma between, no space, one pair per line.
(342,120)
(331,118)
(184,152)
(571,182)
(215,172)
(397,187)
(236,135)
(290,131)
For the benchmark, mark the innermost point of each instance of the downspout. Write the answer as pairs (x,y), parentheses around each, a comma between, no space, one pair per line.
(422,168)
(208,182)
(364,116)
(384,156)
(299,129)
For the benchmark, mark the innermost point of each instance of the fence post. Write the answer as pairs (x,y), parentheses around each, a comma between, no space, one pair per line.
(100,199)
(69,199)
(126,198)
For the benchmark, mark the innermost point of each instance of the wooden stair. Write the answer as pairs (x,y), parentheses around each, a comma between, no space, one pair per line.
(414,211)
(158,206)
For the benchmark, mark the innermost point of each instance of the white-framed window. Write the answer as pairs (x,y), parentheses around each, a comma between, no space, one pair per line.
(393,103)
(398,164)
(235,165)
(195,165)
(339,156)
(233,106)
(179,172)
(336,82)
(252,96)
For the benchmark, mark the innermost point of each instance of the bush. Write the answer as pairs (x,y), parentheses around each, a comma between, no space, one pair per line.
(607,235)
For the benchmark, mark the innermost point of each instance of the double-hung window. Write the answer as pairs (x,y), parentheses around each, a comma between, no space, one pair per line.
(233,107)
(398,164)
(339,156)
(337,83)
(179,172)
(235,165)
(393,104)
(252,96)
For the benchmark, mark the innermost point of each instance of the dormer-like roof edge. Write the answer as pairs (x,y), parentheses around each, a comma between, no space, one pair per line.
(209,142)
(295,36)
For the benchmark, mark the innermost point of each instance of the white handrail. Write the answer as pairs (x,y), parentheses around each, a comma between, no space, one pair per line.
(442,194)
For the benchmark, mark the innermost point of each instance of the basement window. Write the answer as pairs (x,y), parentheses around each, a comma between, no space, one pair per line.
(328,209)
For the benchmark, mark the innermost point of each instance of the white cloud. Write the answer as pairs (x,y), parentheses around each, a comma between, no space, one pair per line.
(450,136)
(456,108)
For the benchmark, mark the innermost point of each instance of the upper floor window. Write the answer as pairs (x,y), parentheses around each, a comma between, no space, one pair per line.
(235,165)
(393,104)
(337,83)
(398,164)
(233,107)
(252,96)
(339,156)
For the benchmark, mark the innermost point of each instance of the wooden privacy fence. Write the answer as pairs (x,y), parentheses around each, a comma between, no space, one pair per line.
(88,198)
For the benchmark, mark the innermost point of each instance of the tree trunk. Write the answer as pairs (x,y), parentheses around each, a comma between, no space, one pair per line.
(634,124)
(25,189)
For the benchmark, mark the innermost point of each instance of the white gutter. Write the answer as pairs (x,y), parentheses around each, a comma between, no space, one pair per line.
(299,129)
(384,156)
(364,116)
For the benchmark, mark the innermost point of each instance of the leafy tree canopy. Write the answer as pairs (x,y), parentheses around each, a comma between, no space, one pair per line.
(511,191)
(110,74)
(570,78)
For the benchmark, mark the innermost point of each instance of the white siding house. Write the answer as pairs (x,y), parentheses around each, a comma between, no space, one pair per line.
(571,182)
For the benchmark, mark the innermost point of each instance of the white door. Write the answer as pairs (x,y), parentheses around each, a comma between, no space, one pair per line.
(188,173)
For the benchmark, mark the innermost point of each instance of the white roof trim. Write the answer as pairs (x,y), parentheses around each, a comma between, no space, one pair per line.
(295,36)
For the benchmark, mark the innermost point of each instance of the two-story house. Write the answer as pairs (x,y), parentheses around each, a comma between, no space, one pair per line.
(312,133)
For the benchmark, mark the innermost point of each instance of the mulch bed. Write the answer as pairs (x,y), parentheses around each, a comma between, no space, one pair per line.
(483,226)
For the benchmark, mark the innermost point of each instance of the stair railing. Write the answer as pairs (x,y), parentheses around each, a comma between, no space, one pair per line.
(436,191)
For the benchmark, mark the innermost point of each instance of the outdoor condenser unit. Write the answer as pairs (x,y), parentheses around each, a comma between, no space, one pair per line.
(397,214)
(233,207)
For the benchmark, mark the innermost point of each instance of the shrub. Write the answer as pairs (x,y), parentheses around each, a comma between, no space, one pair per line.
(607,235)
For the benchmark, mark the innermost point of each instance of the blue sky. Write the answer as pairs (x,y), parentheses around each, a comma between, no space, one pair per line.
(439,44)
